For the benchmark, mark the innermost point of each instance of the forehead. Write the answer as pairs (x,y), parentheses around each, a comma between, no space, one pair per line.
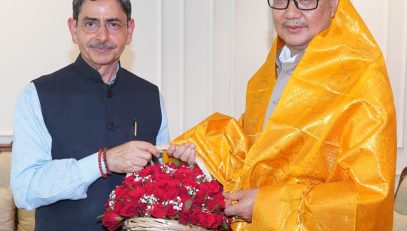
(102,9)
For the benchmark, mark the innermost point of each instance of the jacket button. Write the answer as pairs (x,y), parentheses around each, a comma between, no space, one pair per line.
(109,93)
(111,126)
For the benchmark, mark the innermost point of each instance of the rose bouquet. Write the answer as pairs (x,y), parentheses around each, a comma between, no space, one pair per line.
(167,191)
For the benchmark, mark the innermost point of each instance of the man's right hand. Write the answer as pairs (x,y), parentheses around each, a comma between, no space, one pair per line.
(184,152)
(131,156)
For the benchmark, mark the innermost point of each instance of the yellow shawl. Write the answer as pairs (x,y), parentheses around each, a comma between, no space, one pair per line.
(326,160)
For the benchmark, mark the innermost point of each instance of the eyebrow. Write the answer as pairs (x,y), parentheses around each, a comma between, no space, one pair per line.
(90,19)
(107,20)
(113,20)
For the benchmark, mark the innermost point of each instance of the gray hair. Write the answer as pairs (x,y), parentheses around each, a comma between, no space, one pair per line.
(125,4)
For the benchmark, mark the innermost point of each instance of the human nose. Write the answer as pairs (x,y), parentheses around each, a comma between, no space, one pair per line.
(102,32)
(292,10)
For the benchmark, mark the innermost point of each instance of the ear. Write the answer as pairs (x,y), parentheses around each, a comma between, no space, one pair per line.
(334,7)
(130,29)
(73,28)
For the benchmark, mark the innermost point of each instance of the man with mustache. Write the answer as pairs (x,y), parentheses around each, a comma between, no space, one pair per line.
(315,148)
(81,128)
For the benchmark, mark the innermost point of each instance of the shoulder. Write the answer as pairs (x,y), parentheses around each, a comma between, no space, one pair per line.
(62,73)
(27,95)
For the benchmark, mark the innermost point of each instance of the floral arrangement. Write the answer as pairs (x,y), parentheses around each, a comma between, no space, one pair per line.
(168,191)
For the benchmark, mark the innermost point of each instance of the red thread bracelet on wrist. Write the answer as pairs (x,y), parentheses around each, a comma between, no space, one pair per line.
(105,160)
(100,153)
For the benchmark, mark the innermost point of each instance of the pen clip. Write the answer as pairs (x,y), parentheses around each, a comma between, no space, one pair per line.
(135,127)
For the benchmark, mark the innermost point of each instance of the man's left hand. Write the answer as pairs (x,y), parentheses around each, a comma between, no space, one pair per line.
(240,204)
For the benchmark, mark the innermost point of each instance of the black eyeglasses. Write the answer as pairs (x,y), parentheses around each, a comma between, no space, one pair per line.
(300,4)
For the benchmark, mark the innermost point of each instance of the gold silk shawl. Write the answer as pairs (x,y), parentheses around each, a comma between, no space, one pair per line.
(326,160)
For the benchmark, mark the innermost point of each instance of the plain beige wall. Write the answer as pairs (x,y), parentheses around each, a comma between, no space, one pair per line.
(34,41)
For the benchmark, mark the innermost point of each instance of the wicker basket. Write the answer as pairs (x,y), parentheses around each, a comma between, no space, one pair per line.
(154,224)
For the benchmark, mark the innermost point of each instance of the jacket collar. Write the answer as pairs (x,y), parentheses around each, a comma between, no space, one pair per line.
(89,72)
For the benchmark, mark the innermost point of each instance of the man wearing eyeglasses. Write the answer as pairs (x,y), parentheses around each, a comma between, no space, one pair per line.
(315,148)
(80,128)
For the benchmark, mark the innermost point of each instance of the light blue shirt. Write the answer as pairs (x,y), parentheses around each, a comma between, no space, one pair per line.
(36,179)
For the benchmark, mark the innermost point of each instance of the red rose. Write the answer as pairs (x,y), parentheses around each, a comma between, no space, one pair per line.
(212,221)
(164,182)
(217,203)
(171,194)
(171,211)
(141,208)
(158,211)
(129,180)
(122,192)
(111,220)
(118,205)
(136,193)
(158,192)
(184,218)
(145,171)
(183,172)
(197,217)
(128,210)
(214,186)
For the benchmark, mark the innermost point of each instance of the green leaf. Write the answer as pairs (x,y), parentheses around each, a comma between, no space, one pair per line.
(100,217)
(188,204)
(225,226)
(176,162)
(118,218)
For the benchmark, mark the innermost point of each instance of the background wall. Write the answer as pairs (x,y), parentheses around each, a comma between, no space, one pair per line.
(200,53)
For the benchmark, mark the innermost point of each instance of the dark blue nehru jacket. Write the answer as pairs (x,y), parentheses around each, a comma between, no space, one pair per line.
(83,114)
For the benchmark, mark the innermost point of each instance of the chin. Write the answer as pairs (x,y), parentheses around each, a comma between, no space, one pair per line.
(101,60)
(296,43)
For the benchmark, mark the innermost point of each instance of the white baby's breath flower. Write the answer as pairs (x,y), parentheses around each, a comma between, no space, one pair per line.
(143,179)
(176,204)
(191,191)
(165,168)
(112,195)
(149,199)
(111,204)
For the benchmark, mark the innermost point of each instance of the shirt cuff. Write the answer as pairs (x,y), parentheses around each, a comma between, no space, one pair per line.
(89,168)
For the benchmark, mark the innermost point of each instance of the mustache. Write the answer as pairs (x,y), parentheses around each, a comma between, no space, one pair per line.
(294,22)
(98,43)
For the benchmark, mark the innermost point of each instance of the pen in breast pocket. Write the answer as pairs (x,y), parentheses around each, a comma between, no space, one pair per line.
(135,127)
